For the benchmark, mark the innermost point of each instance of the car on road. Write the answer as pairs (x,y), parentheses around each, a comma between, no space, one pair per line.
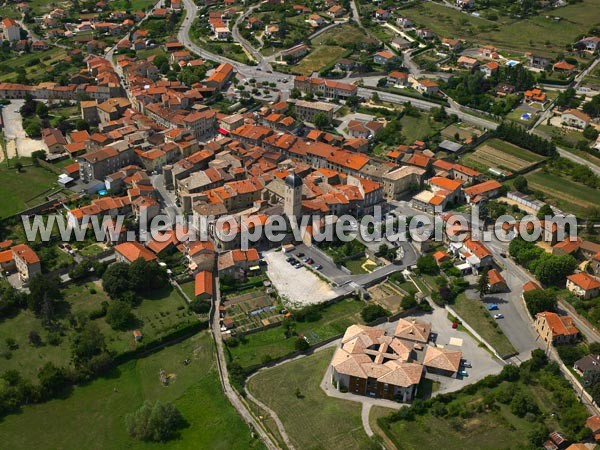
(498,316)
(465,363)
(318,267)
(492,307)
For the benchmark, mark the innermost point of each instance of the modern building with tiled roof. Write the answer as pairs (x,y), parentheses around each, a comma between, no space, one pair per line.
(555,329)
(369,362)
(413,330)
(442,361)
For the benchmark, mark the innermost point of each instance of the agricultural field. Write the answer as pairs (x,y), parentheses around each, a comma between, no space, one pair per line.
(319,58)
(495,153)
(253,310)
(539,34)
(262,346)
(566,194)
(99,408)
(36,65)
(312,419)
(20,190)
(463,130)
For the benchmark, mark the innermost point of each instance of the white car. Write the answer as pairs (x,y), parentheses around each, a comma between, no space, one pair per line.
(498,316)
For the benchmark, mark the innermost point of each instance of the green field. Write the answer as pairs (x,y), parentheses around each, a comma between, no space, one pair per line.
(419,128)
(20,190)
(93,417)
(536,34)
(158,315)
(340,35)
(516,414)
(314,421)
(256,348)
(479,318)
(564,193)
(319,58)
(34,70)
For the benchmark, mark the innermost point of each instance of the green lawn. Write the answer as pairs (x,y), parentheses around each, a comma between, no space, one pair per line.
(313,421)
(564,193)
(91,250)
(419,128)
(539,34)
(319,58)
(478,317)
(20,190)
(356,265)
(272,343)
(35,70)
(93,417)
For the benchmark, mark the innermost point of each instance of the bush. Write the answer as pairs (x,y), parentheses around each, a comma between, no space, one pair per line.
(301,345)
(373,312)
(200,306)
(119,315)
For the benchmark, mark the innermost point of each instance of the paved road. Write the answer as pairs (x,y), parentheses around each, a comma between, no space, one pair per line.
(230,392)
(235,32)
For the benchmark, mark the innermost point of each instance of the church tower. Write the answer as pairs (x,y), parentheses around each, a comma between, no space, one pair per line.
(292,204)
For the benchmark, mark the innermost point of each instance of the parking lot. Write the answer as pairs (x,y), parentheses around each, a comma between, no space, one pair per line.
(17,141)
(297,287)
(482,362)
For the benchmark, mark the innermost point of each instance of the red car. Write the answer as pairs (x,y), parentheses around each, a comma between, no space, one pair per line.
(454,324)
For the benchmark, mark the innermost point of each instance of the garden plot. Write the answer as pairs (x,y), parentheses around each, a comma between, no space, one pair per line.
(253,310)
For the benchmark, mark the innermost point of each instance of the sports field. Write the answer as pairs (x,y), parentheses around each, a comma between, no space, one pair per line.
(500,154)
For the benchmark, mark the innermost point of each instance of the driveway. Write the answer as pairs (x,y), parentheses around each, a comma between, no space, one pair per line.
(17,141)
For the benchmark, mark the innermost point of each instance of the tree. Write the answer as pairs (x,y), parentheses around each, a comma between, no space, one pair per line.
(483,285)
(119,315)
(408,301)
(41,110)
(81,125)
(301,345)
(52,379)
(33,130)
(34,338)
(427,265)
(373,312)
(590,133)
(552,269)
(544,211)
(540,300)
(88,343)
(19,166)
(115,280)
(591,381)
(38,154)
(321,120)
(159,422)
(520,184)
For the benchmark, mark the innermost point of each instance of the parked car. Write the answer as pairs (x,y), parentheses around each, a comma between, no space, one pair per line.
(290,259)
(305,259)
(498,316)
(465,363)
(300,255)
(492,307)
(454,325)
(318,267)
(463,373)
(309,261)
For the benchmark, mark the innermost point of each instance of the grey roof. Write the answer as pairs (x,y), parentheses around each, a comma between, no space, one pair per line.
(450,146)
(293,180)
